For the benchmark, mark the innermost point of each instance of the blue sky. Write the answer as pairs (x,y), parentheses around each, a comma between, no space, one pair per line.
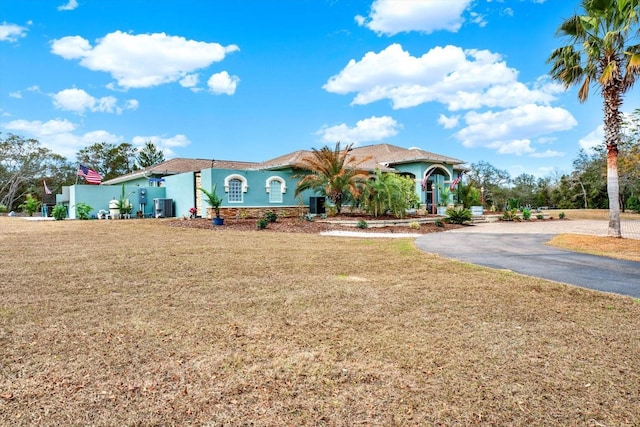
(254,79)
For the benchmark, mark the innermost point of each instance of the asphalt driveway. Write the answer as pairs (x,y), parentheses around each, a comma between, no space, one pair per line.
(522,249)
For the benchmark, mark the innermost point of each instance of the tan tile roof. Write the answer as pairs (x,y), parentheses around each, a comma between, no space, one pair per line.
(182,165)
(286,161)
(391,154)
(382,156)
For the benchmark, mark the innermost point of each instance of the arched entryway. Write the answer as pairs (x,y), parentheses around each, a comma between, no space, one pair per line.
(433,176)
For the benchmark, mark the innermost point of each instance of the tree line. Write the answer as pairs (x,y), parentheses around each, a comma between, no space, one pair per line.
(25,164)
(584,187)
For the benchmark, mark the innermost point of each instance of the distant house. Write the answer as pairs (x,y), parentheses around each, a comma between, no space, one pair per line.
(256,186)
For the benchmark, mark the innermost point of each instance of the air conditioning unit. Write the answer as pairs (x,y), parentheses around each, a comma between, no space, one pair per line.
(163,208)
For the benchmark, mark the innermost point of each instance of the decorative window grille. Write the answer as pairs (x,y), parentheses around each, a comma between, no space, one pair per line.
(235,191)
(275,191)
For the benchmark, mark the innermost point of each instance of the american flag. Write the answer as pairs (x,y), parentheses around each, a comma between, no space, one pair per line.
(455,182)
(425,179)
(91,176)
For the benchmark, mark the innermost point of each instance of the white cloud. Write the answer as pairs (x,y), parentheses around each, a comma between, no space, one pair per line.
(366,130)
(132,104)
(11,32)
(448,122)
(58,136)
(223,83)
(164,144)
(516,146)
(547,154)
(39,128)
(79,101)
(476,18)
(190,80)
(593,139)
(460,79)
(143,60)
(510,131)
(70,5)
(71,47)
(17,95)
(395,16)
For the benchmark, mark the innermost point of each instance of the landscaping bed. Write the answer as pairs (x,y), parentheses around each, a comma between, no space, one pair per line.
(318,225)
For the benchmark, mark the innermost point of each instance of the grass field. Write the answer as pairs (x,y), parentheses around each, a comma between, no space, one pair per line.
(591,214)
(627,249)
(134,323)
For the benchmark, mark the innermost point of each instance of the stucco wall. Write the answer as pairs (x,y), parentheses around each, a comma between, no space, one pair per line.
(181,189)
(256,194)
(98,197)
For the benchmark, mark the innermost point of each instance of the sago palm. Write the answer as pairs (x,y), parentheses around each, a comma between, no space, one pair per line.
(600,53)
(333,173)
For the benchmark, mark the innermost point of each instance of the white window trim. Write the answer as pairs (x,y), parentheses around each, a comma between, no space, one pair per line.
(283,188)
(283,184)
(245,186)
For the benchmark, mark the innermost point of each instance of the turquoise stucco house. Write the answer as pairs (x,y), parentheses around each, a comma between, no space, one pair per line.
(172,186)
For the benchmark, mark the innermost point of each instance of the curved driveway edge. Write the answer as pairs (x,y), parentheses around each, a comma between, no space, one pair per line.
(520,247)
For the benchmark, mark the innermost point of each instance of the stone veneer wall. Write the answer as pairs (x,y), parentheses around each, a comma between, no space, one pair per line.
(241,213)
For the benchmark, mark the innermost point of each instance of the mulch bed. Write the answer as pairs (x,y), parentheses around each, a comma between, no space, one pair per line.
(301,225)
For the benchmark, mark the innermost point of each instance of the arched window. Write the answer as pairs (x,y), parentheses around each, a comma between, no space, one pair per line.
(235,186)
(276,187)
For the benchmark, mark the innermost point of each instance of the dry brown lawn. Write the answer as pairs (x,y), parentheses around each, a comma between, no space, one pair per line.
(626,249)
(591,214)
(135,323)
(612,247)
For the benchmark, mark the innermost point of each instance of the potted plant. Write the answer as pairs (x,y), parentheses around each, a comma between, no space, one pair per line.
(444,194)
(123,204)
(214,201)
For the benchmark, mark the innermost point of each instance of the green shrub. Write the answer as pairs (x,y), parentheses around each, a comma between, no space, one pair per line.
(362,224)
(59,212)
(3,208)
(82,210)
(438,222)
(526,214)
(262,223)
(414,225)
(540,216)
(458,215)
(510,215)
(271,216)
(561,215)
(30,205)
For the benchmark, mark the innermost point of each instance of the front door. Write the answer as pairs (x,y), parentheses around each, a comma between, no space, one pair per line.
(429,197)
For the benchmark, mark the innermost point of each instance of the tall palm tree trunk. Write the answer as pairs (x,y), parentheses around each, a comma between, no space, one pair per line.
(612,118)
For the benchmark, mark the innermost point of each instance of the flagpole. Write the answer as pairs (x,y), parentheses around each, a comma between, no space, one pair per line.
(77,173)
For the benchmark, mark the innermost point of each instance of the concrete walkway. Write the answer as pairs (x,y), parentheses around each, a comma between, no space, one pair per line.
(630,228)
(520,247)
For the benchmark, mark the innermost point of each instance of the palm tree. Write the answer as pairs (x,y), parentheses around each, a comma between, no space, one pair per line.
(333,173)
(385,193)
(599,53)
